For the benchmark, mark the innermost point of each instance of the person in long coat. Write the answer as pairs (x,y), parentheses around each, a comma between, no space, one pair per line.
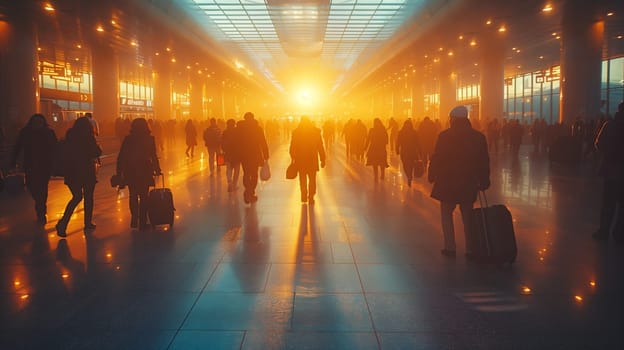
(137,164)
(610,144)
(191,138)
(254,151)
(459,168)
(306,149)
(231,154)
(409,149)
(81,154)
(37,141)
(376,154)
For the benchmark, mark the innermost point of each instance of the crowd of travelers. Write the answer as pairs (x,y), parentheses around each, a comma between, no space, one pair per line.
(456,154)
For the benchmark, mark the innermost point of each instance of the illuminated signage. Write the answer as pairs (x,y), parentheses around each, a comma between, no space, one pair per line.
(133,102)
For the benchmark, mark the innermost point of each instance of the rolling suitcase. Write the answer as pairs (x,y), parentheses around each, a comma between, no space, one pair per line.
(160,206)
(493,236)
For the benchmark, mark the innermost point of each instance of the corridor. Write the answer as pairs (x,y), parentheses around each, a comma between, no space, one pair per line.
(359,269)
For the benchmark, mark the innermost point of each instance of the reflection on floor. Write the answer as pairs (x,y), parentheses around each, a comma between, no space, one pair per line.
(360,269)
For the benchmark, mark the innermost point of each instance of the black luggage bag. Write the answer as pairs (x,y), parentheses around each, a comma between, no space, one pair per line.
(493,237)
(160,209)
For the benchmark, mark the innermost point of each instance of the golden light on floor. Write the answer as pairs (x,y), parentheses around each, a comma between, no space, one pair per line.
(24,297)
(17,283)
(592,284)
(578,298)
(65,276)
(526,290)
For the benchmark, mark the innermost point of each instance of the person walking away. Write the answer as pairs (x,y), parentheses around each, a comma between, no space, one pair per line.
(409,149)
(376,154)
(137,164)
(254,151)
(231,154)
(81,152)
(610,144)
(37,141)
(212,140)
(191,138)
(306,149)
(459,168)
(94,124)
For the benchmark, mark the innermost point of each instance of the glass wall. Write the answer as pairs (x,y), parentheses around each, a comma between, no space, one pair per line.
(612,84)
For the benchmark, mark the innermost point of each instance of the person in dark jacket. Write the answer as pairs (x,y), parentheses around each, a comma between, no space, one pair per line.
(610,144)
(212,140)
(376,154)
(254,152)
(459,168)
(191,138)
(231,154)
(81,152)
(409,149)
(37,141)
(306,149)
(137,164)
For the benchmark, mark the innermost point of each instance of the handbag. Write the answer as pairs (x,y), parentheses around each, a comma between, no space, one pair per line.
(419,168)
(220,159)
(291,171)
(265,172)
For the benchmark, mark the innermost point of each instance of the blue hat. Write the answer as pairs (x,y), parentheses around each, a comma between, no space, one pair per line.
(459,112)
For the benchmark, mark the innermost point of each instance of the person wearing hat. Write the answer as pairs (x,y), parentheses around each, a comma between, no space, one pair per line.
(459,168)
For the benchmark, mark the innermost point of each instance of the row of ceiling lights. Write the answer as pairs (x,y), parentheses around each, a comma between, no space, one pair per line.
(100,29)
(502,28)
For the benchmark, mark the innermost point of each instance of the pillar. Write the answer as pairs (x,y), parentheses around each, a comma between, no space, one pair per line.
(19,77)
(581,61)
(492,77)
(105,70)
(448,88)
(196,96)
(162,89)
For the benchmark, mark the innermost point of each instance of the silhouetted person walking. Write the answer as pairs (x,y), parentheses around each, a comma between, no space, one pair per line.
(191,138)
(80,156)
(37,141)
(408,148)
(212,140)
(376,154)
(459,168)
(254,151)
(610,144)
(306,149)
(231,154)
(137,164)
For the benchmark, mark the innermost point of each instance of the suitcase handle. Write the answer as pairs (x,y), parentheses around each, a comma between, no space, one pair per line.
(482,200)
(162,175)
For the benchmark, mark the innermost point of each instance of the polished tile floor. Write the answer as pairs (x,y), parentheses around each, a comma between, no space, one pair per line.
(360,269)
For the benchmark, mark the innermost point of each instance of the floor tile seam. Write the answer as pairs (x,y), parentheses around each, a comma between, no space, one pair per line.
(368,308)
(190,310)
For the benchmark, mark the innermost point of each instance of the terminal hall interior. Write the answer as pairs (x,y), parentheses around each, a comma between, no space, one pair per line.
(359,267)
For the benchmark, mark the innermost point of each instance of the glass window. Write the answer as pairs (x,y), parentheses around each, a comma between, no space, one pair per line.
(555,106)
(48,82)
(123,91)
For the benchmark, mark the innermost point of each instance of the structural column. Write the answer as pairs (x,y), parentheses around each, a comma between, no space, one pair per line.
(19,78)
(418,105)
(492,57)
(162,89)
(105,69)
(581,61)
(448,88)
(197,98)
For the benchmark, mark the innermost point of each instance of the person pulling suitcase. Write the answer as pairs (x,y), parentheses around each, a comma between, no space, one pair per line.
(459,167)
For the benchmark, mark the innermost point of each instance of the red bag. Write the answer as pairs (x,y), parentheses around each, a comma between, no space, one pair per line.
(220,159)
